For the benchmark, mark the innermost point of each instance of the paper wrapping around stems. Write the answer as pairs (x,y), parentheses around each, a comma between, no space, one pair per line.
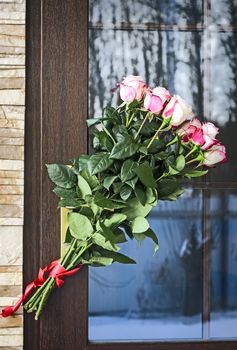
(64,227)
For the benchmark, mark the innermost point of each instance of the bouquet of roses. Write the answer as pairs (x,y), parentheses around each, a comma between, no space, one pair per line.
(143,149)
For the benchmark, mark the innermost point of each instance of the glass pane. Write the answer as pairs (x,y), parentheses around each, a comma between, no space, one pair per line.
(160,298)
(223,98)
(224,264)
(135,12)
(168,58)
(224,12)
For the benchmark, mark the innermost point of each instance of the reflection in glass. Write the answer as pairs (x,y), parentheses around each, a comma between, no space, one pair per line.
(184,12)
(223,101)
(171,59)
(224,265)
(224,12)
(161,296)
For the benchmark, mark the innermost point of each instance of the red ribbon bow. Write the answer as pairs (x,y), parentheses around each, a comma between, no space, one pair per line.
(55,270)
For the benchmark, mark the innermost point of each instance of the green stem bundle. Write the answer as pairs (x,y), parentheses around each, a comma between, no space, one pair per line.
(69,261)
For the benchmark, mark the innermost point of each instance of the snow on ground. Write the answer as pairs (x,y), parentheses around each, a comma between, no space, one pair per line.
(112,328)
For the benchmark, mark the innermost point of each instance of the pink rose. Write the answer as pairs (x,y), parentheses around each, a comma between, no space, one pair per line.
(155,99)
(216,154)
(209,133)
(132,88)
(188,128)
(153,103)
(178,110)
(162,93)
(210,129)
(197,137)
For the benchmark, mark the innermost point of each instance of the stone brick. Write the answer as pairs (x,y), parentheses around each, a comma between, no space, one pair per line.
(11,174)
(7,132)
(11,83)
(6,164)
(11,221)
(11,152)
(14,189)
(14,340)
(11,181)
(12,72)
(12,97)
(11,246)
(12,112)
(17,141)
(11,199)
(11,211)
(11,123)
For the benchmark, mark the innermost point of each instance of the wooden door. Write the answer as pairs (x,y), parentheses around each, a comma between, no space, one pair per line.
(56,99)
(56,110)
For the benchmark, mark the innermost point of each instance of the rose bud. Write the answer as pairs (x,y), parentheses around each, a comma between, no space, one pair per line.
(215,155)
(132,88)
(178,110)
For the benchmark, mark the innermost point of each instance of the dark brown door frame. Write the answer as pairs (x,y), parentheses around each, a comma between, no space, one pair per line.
(56,110)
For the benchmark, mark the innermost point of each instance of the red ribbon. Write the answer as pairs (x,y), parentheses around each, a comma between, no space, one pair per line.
(55,270)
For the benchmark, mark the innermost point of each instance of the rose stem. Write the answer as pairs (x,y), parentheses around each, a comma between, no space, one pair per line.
(141,126)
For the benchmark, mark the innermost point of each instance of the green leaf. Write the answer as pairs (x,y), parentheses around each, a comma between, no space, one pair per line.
(132,182)
(106,203)
(139,237)
(128,170)
(119,236)
(109,112)
(80,226)
(149,128)
(140,225)
(115,220)
(101,241)
(195,173)
(121,258)
(120,132)
(100,260)
(107,233)
(173,171)
(108,181)
(135,208)
(125,192)
(124,149)
(99,162)
(140,194)
(105,140)
(61,175)
(92,180)
(151,196)
(70,203)
(93,121)
(83,186)
(151,234)
(65,192)
(143,150)
(166,187)
(157,146)
(80,163)
(180,163)
(173,196)
(145,175)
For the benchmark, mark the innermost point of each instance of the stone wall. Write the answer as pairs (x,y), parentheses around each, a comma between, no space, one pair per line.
(12,100)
